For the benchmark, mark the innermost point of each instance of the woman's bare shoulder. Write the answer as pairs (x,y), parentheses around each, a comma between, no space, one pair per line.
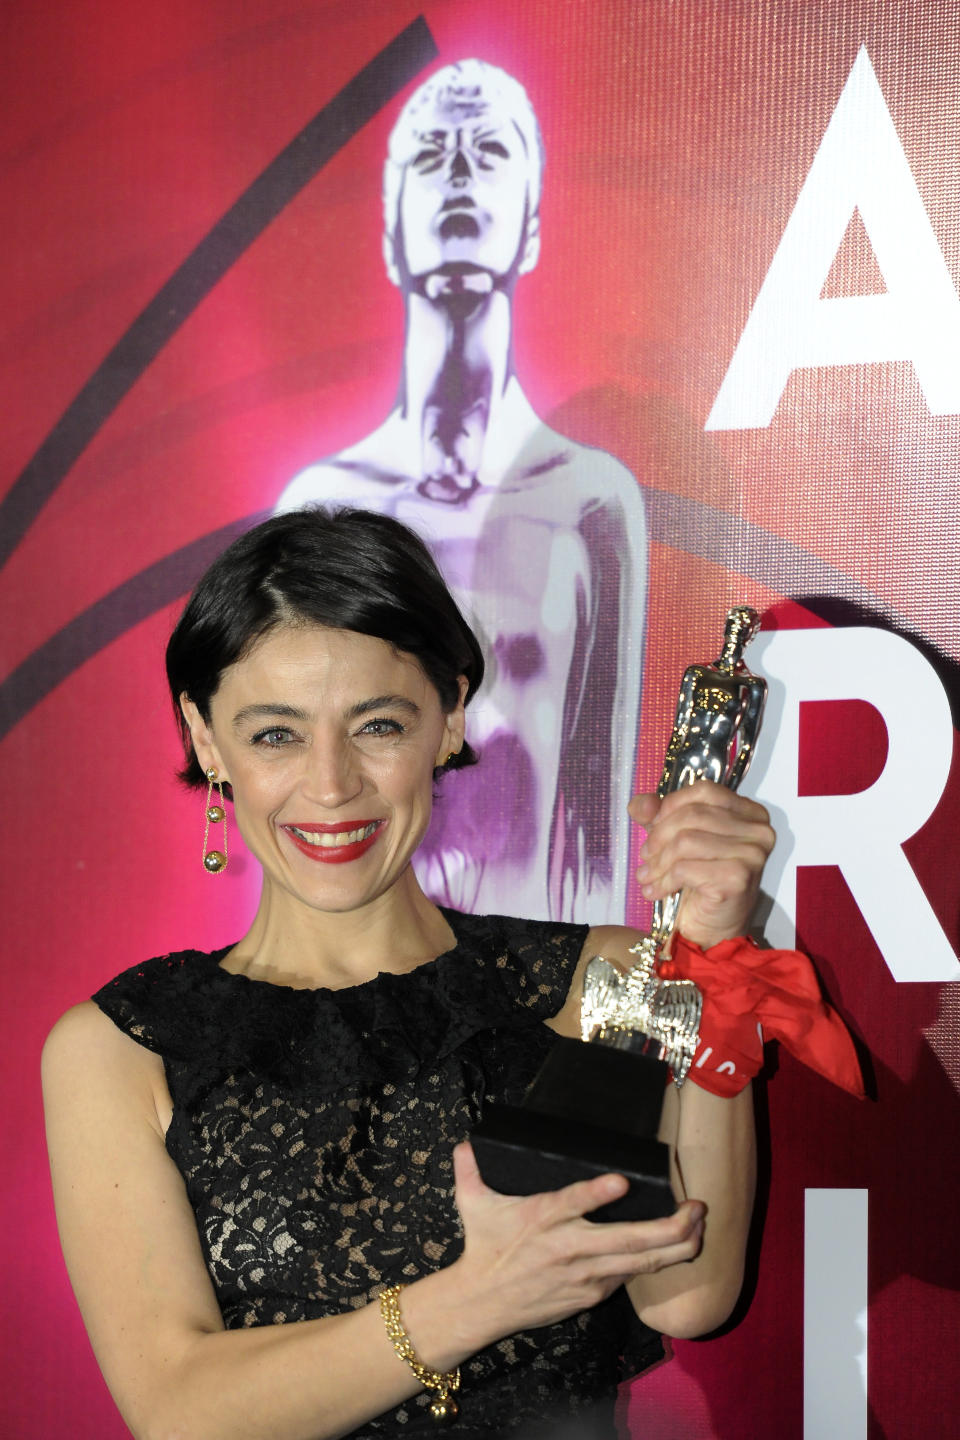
(76,1025)
(83,1030)
(613,942)
(88,1059)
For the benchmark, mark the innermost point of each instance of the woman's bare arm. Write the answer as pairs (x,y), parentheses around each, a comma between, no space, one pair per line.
(134,1257)
(715,1165)
(716,1160)
(711,844)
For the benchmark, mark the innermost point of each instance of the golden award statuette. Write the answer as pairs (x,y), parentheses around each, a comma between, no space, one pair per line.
(595,1105)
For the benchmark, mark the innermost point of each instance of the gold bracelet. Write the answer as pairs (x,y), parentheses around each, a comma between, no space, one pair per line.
(444,1408)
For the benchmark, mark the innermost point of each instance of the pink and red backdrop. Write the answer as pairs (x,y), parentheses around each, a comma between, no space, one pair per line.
(194,308)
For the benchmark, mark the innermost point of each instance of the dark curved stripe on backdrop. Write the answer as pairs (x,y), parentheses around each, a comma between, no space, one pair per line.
(110,617)
(734,543)
(283,179)
(687,525)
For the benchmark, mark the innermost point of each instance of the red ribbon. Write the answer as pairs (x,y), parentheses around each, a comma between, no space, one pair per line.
(751,995)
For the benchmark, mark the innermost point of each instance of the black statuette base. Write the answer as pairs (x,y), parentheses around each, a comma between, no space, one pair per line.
(591,1110)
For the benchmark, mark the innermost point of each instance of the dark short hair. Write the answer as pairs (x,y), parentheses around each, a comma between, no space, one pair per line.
(343,568)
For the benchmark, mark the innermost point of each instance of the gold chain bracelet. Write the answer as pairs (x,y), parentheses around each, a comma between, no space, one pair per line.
(444,1408)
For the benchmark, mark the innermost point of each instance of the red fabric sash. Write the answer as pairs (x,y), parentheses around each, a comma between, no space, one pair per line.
(751,995)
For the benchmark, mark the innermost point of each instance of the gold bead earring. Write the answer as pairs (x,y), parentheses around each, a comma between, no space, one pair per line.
(214,860)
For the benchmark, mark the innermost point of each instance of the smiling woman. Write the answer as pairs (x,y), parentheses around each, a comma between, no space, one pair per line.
(276,1132)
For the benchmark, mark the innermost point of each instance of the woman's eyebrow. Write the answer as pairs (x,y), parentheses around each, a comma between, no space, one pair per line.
(383,702)
(278,710)
(268,709)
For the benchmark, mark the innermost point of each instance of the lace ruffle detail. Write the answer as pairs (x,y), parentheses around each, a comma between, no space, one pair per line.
(501,974)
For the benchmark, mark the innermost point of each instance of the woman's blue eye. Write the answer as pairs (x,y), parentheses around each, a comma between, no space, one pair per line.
(382,727)
(273,738)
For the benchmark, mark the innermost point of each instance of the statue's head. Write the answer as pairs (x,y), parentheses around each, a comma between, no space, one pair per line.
(461,184)
(741,625)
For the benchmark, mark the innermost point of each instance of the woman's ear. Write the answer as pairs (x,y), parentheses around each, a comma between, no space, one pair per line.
(455,728)
(201,735)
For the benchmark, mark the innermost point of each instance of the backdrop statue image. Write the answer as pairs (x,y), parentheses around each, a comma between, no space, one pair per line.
(543,540)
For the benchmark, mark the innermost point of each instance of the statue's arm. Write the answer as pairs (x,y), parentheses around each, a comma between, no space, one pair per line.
(749,730)
(675,745)
(589,845)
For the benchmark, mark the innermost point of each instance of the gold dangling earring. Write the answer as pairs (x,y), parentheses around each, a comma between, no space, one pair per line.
(214,860)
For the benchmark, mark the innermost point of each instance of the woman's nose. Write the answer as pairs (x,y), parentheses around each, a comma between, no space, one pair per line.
(332,776)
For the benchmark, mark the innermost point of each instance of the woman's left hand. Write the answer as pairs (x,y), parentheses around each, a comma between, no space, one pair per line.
(710,843)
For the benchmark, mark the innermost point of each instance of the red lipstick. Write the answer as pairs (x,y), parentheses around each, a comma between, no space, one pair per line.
(347,839)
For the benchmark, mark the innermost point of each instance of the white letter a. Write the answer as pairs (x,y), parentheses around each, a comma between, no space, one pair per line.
(860,165)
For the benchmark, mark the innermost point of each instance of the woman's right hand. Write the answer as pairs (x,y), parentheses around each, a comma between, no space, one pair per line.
(532,1260)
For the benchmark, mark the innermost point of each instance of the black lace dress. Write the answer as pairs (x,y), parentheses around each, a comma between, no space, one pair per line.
(314,1131)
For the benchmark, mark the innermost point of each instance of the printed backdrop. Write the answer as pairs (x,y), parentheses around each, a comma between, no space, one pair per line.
(746,295)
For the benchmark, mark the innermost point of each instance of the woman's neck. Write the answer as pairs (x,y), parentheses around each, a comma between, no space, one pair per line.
(289,943)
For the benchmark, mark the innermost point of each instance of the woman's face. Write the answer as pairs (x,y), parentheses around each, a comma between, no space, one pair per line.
(329,739)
